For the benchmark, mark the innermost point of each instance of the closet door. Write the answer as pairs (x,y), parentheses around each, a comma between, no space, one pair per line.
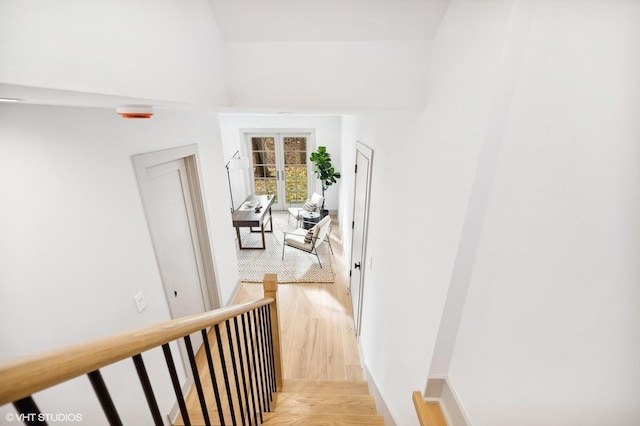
(280,167)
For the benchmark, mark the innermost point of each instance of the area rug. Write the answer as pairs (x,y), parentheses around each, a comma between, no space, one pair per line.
(297,266)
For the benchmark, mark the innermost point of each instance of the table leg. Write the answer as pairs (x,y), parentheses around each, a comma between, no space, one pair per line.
(239,239)
(270,222)
(264,243)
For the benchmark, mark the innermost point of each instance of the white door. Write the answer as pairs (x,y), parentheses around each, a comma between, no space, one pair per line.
(364,156)
(174,206)
(280,166)
(169,207)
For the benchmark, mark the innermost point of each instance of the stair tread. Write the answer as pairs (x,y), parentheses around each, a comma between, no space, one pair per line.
(312,403)
(196,418)
(292,419)
(326,387)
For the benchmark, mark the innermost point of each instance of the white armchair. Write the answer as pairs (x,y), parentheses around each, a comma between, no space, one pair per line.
(311,205)
(309,240)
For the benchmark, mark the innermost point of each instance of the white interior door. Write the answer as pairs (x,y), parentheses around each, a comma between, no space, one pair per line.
(170,189)
(171,219)
(358,267)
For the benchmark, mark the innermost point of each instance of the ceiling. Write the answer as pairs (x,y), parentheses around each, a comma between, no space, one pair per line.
(264,21)
(328,20)
(47,96)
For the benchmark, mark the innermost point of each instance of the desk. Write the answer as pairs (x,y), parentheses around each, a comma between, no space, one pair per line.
(247,217)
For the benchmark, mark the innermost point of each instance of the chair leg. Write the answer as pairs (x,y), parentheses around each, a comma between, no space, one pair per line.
(329,241)
(283,245)
(316,253)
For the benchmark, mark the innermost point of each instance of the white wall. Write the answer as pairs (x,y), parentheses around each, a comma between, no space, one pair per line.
(157,49)
(327,131)
(549,333)
(327,74)
(423,170)
(550,324)
(75,247)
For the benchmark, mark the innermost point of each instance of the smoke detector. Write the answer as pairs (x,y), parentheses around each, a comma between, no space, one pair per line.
(135,111)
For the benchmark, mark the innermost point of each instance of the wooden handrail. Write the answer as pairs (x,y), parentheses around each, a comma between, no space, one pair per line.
(26,376)
(429,414)
(270,284)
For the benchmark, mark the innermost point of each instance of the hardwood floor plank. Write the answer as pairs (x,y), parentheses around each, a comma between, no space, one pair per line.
(317,331)
(288,419)
(314,403)
(321,386)
(318,338)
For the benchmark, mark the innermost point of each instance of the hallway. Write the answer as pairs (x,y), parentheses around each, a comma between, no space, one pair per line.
(318,340)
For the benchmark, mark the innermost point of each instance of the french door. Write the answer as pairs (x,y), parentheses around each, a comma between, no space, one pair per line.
(279,166)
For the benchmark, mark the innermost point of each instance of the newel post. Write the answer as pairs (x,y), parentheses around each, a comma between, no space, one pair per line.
(270,285)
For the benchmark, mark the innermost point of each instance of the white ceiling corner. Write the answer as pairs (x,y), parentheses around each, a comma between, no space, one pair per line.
(328,20)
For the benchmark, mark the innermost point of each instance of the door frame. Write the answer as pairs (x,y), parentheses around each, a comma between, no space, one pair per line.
(245,151)
(368,153)
(189,153)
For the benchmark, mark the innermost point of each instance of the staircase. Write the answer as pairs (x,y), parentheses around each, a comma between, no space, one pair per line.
(311,403)
(237,374)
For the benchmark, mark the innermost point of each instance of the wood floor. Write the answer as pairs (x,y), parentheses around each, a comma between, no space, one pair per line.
(316,320)
(319,349)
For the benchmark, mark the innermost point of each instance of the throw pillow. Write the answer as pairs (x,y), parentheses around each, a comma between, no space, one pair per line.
(309,235)
(310,206)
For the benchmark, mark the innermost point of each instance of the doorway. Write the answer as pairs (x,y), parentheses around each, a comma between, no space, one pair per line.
(171,194)
(364,158)
(280,166)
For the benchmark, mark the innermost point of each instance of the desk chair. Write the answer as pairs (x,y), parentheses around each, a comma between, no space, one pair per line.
(311,205)
(309,240)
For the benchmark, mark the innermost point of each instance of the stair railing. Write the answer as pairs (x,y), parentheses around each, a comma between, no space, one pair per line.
(252,347)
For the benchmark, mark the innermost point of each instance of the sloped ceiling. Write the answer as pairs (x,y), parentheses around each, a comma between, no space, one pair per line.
(328,20)
(279,21)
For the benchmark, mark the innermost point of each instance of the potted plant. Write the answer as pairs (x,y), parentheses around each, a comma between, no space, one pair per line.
(324,172)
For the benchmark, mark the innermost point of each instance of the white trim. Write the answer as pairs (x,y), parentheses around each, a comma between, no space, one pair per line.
(440,390)
(206,249)
(234,293)
(381,405)
(188,153)
(368,153)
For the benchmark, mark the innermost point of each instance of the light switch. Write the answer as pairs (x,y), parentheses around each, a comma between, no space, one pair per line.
(141,302)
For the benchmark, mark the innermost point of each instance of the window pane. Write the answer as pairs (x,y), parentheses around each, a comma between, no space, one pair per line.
(301,173)
(257,144)
(270,157)
(295,157)
(259,157)
(272,189)
(295,160)
(295,144)
(269,144)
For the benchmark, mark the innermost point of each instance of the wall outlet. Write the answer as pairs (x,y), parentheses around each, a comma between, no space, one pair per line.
(141,302)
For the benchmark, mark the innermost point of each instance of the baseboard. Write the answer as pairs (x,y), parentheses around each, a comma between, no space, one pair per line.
(381,405)
(439,390)
(234,294)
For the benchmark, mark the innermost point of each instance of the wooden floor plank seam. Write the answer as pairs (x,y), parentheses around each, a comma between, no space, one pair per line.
(321,362)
